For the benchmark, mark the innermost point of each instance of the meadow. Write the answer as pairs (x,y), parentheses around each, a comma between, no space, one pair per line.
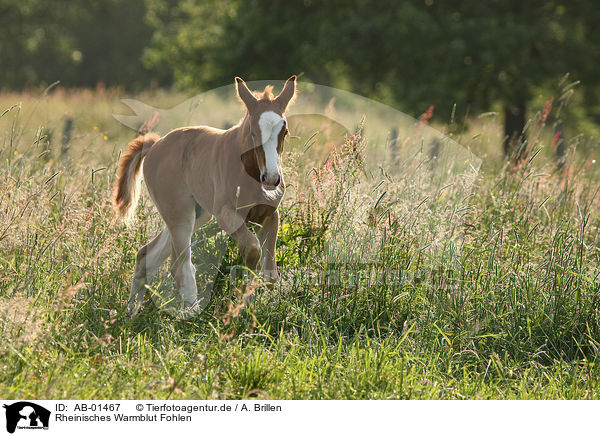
(512,314)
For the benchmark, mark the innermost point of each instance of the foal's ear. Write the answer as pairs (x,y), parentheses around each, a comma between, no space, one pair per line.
(287,94)
(244,93)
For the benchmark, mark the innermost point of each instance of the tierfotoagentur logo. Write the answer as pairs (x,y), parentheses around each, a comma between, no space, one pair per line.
(25,415)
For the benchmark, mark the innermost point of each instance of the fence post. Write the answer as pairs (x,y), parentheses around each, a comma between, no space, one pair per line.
(66,138)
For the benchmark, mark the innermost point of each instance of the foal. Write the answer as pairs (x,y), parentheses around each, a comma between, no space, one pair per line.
(194,173)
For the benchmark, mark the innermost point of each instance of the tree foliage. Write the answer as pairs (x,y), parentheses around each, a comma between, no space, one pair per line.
(79,43)
(414,53)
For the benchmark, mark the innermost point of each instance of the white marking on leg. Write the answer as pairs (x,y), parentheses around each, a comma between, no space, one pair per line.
(158,254)
(185,273)
(189,291)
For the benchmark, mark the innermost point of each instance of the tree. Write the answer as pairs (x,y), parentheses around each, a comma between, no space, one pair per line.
(32,40)
(79,43)
(414,52)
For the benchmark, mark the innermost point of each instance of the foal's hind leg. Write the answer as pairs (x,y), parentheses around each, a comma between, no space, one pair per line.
(149,259)
(182,268)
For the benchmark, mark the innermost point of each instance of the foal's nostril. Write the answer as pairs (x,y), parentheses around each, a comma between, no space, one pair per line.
(278,181)
(263,177)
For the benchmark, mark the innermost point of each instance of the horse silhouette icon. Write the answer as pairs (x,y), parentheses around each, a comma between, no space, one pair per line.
(27,414)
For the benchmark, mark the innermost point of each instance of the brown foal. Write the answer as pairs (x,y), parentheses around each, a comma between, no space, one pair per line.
(195,173)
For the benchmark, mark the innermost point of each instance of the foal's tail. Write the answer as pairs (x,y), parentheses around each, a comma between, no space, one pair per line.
(127,189)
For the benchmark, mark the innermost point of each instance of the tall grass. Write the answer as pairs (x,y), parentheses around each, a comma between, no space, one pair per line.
(511,312)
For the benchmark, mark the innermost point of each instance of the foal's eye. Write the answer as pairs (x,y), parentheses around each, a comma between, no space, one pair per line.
(253,135)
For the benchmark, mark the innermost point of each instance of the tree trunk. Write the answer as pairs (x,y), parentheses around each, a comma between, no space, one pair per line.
(514,124)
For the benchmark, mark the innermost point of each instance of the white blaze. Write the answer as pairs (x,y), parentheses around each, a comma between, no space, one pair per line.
(270,125)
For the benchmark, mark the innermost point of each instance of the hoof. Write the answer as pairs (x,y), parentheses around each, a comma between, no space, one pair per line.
(249,299)
(270,278)
(192,310)
(133,309)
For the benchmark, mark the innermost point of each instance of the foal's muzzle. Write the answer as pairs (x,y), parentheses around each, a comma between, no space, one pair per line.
(270,182)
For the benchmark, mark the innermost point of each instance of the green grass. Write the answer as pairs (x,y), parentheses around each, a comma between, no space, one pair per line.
(520,320)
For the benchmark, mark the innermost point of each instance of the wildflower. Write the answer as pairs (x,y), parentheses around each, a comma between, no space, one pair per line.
(556,139)
(547,108)
(424,118)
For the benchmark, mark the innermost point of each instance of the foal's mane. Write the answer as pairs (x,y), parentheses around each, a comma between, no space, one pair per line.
(266,95)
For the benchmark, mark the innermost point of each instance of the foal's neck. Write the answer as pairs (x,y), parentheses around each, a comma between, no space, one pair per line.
(242,134)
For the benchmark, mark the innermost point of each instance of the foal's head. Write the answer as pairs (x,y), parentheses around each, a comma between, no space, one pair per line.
(267,127)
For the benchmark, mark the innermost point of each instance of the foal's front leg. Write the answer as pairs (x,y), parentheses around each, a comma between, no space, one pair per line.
(268,241)
(248,245)
(247,241)
(235,225)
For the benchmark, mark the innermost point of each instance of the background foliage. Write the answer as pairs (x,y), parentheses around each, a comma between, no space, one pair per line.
(413,54)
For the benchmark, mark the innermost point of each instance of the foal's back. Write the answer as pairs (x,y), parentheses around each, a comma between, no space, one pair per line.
(182,160)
